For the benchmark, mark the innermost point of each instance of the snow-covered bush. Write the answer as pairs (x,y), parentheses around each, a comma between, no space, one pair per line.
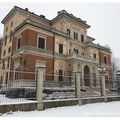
(15,93)
(48,91)
(30,93)
(3,90)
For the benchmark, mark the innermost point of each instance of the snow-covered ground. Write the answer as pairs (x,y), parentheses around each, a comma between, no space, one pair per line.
(111,109)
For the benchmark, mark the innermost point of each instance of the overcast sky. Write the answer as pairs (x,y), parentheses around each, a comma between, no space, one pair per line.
(104,18)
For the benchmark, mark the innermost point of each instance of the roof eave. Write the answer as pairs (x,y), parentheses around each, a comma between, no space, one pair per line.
(5,18)
(18,8)
(86,25)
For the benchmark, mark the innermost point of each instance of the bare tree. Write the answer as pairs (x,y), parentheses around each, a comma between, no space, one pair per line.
(115,68)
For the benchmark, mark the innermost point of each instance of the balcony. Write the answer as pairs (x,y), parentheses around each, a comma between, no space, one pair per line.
(26,49)
(82,58)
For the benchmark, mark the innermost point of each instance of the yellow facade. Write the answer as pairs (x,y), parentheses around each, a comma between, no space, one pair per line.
(77,51)
(11,24)
(61,40)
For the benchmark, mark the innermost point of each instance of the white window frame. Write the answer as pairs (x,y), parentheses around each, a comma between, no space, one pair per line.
(17,42)
(38,41)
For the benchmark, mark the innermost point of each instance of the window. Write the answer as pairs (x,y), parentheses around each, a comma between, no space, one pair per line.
(75,36)
(4,53)
(8,61)
(61,48)
(5,39)
(94,56)
(68,32)
(61,75)
(41,43)
(17,73)
(75,50)
(82,38)
(6,29)
(69,65)
(9,50)
(69,50)
(11,23)
(106,79)
(10,36)
(105,59)
(18,43)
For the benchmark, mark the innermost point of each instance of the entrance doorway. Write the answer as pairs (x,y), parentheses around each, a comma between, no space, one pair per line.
(60,75)
(87,75)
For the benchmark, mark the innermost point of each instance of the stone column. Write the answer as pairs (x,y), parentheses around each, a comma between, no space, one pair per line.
(78,88)
(82,77)
(98,79)
(91,77)
(40,68)
(103,87)
(4,77)
(74,69)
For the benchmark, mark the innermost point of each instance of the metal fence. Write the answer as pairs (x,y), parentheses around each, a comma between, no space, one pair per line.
(20,86)
(59,87)
(112,87)
(90,87)
(17,87)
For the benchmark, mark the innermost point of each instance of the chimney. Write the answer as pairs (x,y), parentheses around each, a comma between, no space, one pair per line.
(26,9)
(58,13)
(42,16)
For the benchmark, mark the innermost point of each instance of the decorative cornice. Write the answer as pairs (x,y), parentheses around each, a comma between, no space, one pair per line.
(41,26)
(100,47)
(72,18)
(16,8)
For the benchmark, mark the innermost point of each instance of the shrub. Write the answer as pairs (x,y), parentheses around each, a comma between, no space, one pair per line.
(3,90)
(30,93)
(15,93)
(48,91)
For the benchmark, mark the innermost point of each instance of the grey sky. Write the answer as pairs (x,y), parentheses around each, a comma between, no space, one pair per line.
(104,18)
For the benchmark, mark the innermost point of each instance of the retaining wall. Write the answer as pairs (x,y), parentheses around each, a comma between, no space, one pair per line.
(53,103)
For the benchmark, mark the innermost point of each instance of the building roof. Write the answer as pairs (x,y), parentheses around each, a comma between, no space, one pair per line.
(100,47)
(65,13)
(25,10)
(39,25)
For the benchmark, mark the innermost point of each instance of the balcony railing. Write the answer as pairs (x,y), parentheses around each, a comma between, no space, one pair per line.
(82,57)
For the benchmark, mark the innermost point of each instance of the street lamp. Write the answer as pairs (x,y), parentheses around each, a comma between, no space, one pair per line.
(102,71)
